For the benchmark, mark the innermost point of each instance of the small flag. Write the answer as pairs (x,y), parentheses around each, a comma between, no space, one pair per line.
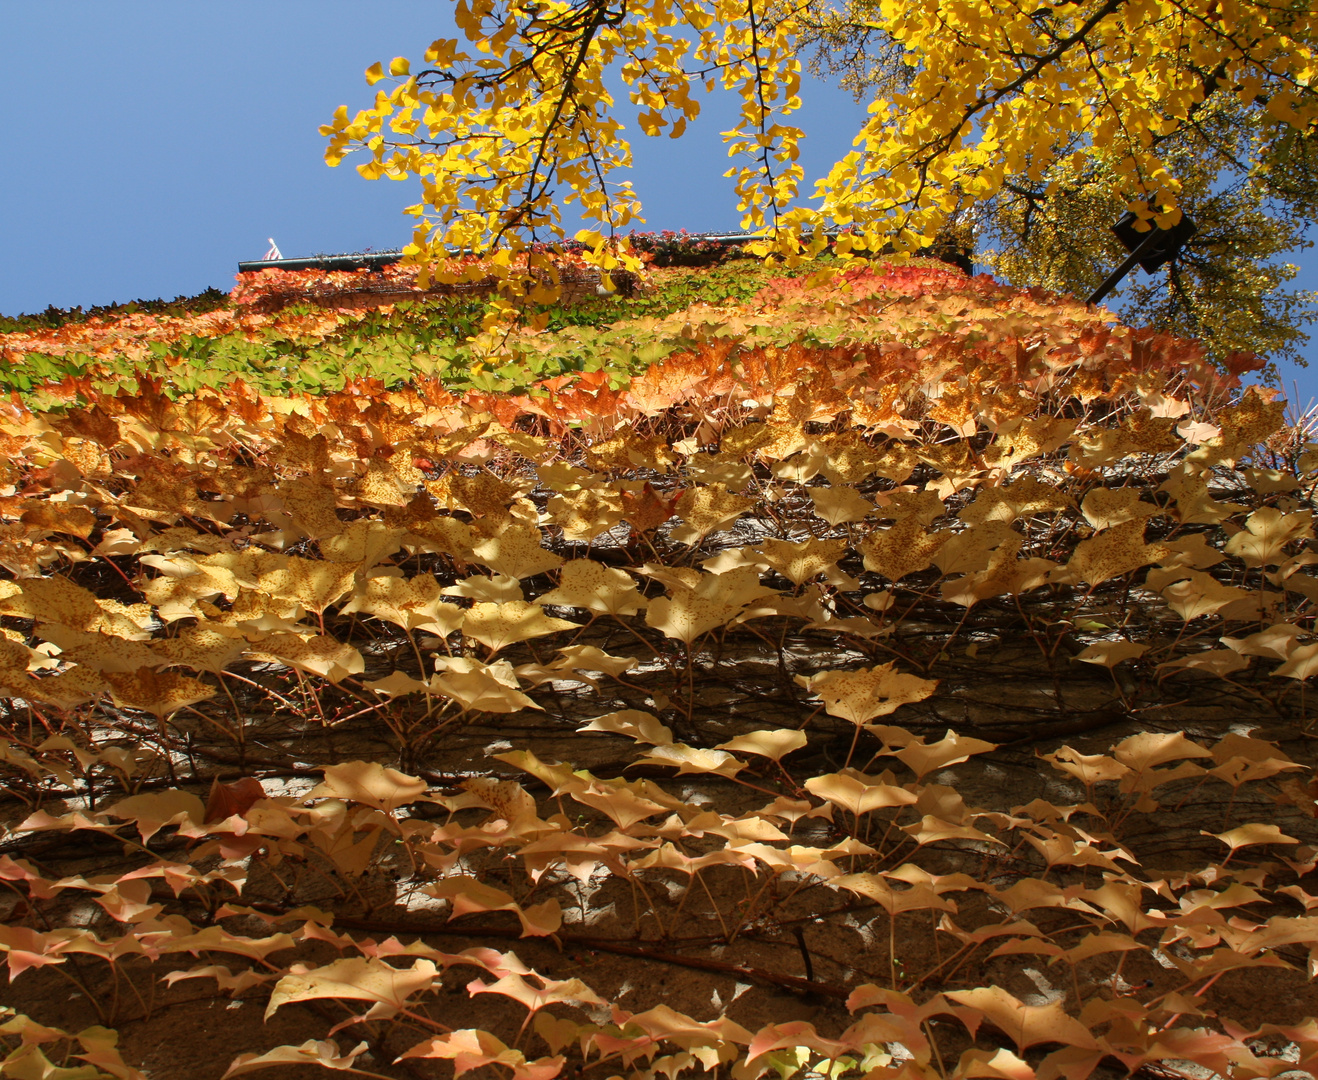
(273,253)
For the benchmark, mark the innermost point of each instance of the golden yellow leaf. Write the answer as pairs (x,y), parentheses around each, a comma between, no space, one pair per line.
(635,724)
(517,552)
(364,543)
(585,583)
(199,648)
(487,588)
(1267,531)
(1089,769)
(1249,835)
(479,687)
(413,603)
(357,978)
(839,505)
(370,784)
(1110,653)
(692,760)
(311,502)
(55,600)
(1301,664)
(1111,553)
(861,695)
(1200,594)
(704,510)
(98,651)
(1221,662)
(584,515)
(952,748)
(1025,1025)
(498,625)
(313,584)
(775,744)
(857,793)
(800,561)
(903,549)
(318,655)
(1105,507)
(723,469)
(467,894)
(715,601)
(158,692)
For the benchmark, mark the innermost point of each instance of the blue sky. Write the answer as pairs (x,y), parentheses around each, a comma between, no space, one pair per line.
(154,145)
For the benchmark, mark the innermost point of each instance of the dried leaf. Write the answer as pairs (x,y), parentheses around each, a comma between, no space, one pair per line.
(467,895)
(861,695)
(160,692)
(324,1053)
(500,625)
(1025,1025)
(1109,654)
(704,510)
(370,784)
(840,505)
(635,724)
(479,687)
(775,745)
(516,551)
(356,979)
(858,793)
(585,583)
(903,549)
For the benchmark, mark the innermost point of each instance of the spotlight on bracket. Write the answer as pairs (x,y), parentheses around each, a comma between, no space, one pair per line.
(1151,250)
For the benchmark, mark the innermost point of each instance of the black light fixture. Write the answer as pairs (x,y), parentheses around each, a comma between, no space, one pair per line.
(1151,250)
